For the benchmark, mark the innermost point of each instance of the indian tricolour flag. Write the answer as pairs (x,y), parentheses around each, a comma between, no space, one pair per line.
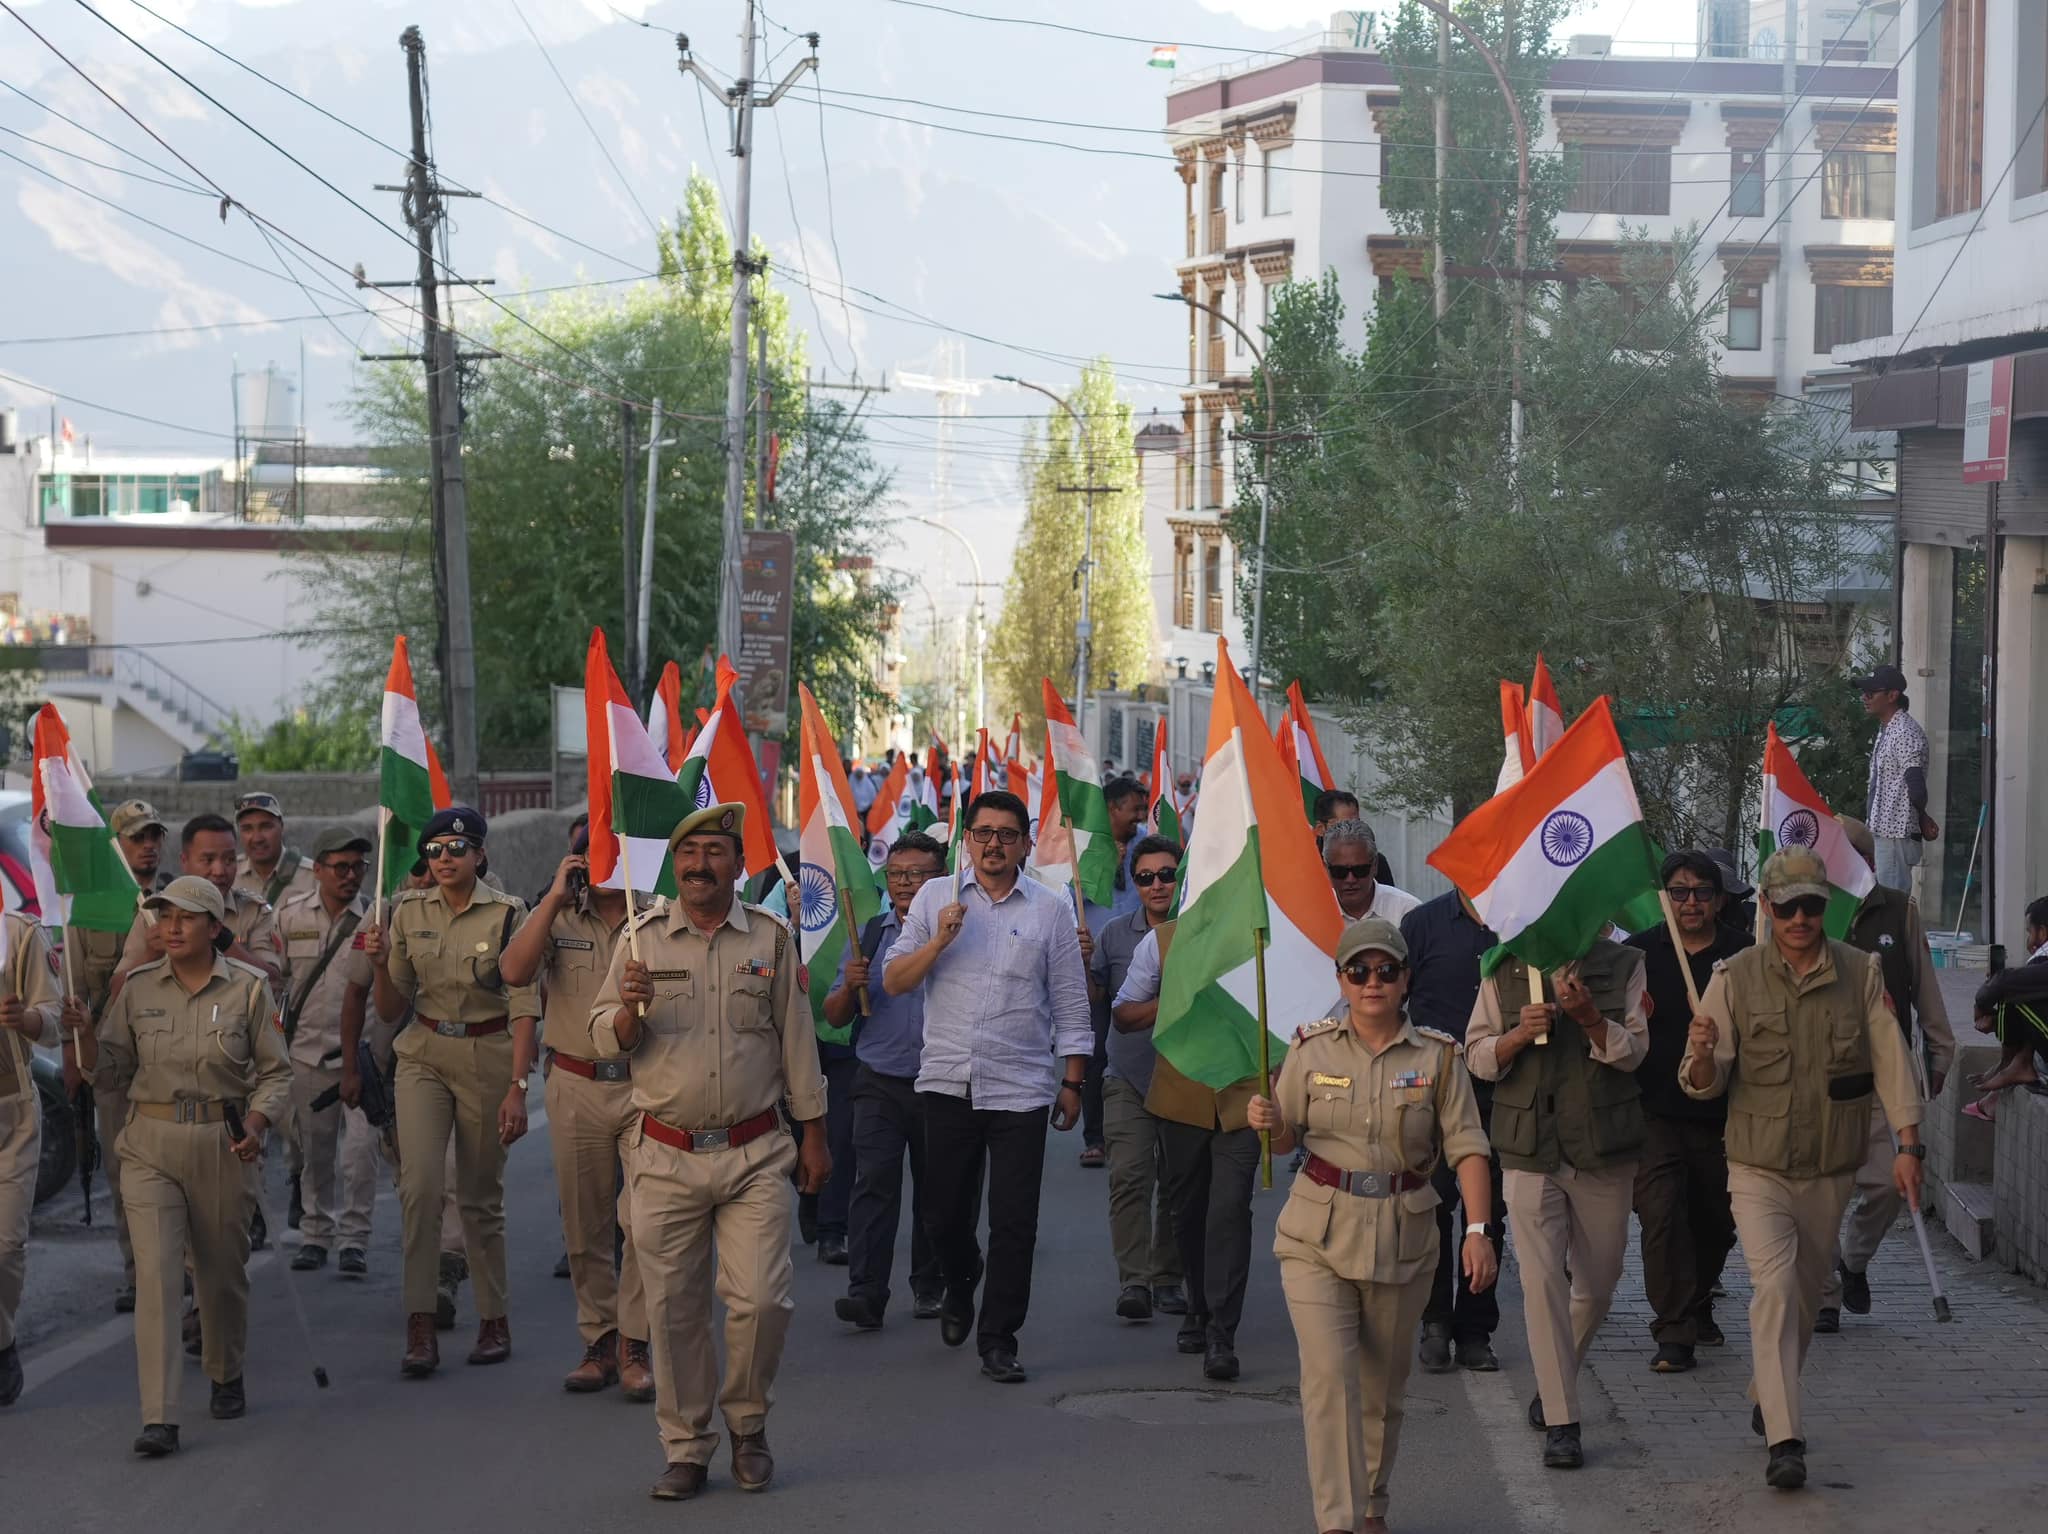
(1251,875)
(1165,816)
(1548,863)
(1052,841)
(836,889)
(1164,56)
(665,718)
(720,769)
(1296,737)
(1518,756)
(81,879)
(635,800)
(410,784)
(1795,816)
(889,815)
(1081,800)
(1546,714)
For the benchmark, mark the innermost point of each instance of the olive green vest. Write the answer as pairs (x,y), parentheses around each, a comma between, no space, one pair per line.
(1880,927)
(1557,1104)
(1799,1099)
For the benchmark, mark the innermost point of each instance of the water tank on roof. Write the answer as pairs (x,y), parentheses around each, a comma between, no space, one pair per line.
(1591,45)
(270,403)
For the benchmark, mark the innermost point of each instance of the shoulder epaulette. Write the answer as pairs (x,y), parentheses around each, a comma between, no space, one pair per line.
(243,966)
(404,895)
(243,896)
(157,963)
(649,913)
(1321,1025)
(1441,1037)
(774,916)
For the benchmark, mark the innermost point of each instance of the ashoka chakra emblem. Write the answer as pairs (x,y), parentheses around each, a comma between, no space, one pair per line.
(1567,837)
(1801,828)
(818,898)
(703,796)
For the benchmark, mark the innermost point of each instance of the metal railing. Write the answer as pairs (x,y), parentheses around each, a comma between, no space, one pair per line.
(138,671)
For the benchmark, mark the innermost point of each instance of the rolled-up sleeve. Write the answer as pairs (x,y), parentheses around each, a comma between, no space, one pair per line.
(1482,1033)
(1066,983)
(1717,1005)
(1141,980)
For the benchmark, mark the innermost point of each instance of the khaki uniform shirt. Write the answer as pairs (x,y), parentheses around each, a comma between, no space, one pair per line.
(730,1028)
(163,1044)
(301,881)
(253,924)
(1404,1109)
(93,956)
(573,967)
(305,926)
(446,961)
(30,976)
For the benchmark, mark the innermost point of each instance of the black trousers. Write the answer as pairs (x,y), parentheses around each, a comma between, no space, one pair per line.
(1471,1317)
(1209,1177)
(837,1194)
(888,1123)
(1681,1197)
(1091,1084)
(962,1145)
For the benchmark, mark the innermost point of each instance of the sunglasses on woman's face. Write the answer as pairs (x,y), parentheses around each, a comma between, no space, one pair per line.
(1805,905)
(453,847)
(1358,971)
(1146,878)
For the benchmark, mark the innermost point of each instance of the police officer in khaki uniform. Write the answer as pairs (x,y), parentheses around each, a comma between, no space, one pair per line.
(462,1068)
(29,1012)
(207,851)
(1376,1103)
(91,958)
(323,956)
(1797,1032)
(188,1035)
(268,869)
(716,1019)
(567,946)
(1567,1124)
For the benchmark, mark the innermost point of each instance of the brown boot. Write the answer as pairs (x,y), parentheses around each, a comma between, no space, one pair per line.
(753,1467)
(493,1341)
(678,1483)
(636,1371)
(600,1366)
(422,1351)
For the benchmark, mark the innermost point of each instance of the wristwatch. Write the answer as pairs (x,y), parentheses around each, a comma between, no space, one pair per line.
(1479,1230)
(1917,1152)
(1071,1086)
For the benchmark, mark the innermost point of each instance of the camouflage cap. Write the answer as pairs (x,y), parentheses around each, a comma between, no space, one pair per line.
(258,802)
(189,892)
(728,819)
(133,816)
(1372,935)
(1791,873)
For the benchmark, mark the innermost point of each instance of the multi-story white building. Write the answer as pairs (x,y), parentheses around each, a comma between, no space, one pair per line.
(1773,158)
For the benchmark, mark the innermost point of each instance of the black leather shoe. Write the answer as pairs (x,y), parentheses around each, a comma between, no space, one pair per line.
(678,1483)
(1787,1468)
(1170,1299)
(124,1300)
(1855,1291)
(11,1377)
(1435,1354)
(1562,1449)
(562,1271)
(294,1209)
(157,1440)
(351,1263)
(1827,1322)
(309,1257)
(229,1401)
(1001,1365)
(1756,1420)
(1193,1336)
(1219,1359)
(859,1311)
(1536,1413)
(1134,1303)
(954,1326)
(832,1251)
(1709,1332)
(1476,1354)
(1672,1358)
(926,1307)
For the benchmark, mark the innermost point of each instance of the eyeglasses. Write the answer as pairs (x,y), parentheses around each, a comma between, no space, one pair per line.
(1349,870)
(1681,894)
(1152,876)
(454,847)
(1805,905)
(346,865)
(1009,836)
(909,875)
(1387,971)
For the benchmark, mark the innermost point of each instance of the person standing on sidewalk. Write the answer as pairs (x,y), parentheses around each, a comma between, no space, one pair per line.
(1887,925)
(1897,814)
(31,1013)
(1376,1103)
(1140,1224)
(1445,944)
(565,947)
(1796,1032)
(1568,1123)
(888,1120)
(1681,1193)
(1007,1037)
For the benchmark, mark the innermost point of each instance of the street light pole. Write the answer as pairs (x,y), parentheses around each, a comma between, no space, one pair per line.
(1084,627)
(980,691)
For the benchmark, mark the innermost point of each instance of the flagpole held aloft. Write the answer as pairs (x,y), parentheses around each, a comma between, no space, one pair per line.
(860,992)
(1536,998)
(1265,1056)
(632,926)
(1692,990)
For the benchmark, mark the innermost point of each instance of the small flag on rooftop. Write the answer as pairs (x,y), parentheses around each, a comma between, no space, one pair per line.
(1165,55)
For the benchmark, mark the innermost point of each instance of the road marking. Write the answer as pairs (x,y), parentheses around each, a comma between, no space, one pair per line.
(1505,1423)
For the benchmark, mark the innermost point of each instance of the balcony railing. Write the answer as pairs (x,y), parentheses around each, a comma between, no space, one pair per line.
(137,671)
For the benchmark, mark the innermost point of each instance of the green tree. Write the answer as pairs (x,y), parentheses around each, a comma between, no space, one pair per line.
(1034,638)
(323,738)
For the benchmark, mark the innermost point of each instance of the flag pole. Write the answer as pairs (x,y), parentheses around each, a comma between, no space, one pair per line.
(1536,995)
(377,901)
(632,927)
(860,993)
(1265,1056)
(1692,990)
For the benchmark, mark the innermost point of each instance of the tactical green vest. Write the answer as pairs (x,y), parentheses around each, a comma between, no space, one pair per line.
(1800,1096)
(1557,1104)
(1880,928)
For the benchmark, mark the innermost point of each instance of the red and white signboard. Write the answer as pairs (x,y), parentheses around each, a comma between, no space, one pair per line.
(1987,421)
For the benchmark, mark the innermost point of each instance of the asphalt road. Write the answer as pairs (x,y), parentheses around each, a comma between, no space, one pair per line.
(877,1431)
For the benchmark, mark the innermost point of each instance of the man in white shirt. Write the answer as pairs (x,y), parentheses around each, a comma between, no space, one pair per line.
(1350,853)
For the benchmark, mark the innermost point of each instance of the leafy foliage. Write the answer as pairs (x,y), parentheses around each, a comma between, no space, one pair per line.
(321,739)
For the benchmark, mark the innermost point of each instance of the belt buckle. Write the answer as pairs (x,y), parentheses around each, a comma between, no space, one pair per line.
(609,1070)
(187,1111)
(1368,1185)
(710,1139)
(449,1030)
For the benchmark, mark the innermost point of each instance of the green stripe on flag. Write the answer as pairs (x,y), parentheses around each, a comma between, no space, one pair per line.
(90,869)
(1617,872)
(1204,1031)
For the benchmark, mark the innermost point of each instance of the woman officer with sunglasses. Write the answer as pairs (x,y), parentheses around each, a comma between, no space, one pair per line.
(1377,1103)
(462,1068)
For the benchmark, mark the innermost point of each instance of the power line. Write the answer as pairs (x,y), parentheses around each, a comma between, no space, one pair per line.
(584,118)
(1114,37)
(173,186)
(796,226)
(97,137)
(831,216)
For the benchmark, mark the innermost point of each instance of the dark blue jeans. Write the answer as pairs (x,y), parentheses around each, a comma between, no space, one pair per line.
(837,1195)
(887,1125)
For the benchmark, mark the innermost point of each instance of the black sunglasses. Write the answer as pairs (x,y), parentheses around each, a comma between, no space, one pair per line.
(454,847)
(1151,876)
(345,865)
(1683,893)
(1805,905)
(1349,870)
(1358,971)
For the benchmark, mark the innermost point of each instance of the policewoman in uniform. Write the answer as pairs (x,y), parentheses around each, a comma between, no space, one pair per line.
(1798,1033)
(1376,1103)
(29,1014)
(189,1036)
(717,1021)
(462,1067)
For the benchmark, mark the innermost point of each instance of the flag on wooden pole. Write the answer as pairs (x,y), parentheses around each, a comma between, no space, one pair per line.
(634,798)
(80,877)
(1052,847)
(1079,788)
(1795,815)
(1296,737)
(1165,816)
(410,783)
(1546,714)
(836,894)
(665,718)
(720,769)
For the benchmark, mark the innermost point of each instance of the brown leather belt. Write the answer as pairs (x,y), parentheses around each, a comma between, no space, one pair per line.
(186,1110)
(711,1139)
(620,1069)
(1361,1184)
(449,1030)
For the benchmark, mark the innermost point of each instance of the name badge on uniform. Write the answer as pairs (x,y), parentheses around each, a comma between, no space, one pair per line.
(1318,1079)
(668,974)
(310,935)
(1412,1079)
(150,1012)
(574,942)
(760,969)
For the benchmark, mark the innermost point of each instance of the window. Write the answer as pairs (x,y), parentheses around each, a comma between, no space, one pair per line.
(1843,313)
(1183,581)
(1265,305)
(1238,333)
(1275,166)
(1957,142)
(1745,317)
(1237,188)
(1746,183)
(1727,29)
(1856,184)
(1622,178)
(1215,496)
(1212,586)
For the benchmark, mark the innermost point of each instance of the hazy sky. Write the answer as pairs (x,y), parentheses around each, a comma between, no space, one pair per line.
(1658,21)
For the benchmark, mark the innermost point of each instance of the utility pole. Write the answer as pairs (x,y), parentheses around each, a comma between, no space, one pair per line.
(741,101)
(455,643)
(646,615)
(626,541)
(1440,277)
(761,428)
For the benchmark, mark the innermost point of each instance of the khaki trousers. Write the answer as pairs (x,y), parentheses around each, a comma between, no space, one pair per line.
(1140,1215)
(1576,1221)
(1787,1226)
(588,1122)
(1873,1209)
(448,1092)
(338,1176)
(1357,1343)
(683,1203)
(187,1196)
(21,1145)
(110,1110)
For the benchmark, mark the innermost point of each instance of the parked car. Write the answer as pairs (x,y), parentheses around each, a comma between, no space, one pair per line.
(17,885)
(59,1162)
